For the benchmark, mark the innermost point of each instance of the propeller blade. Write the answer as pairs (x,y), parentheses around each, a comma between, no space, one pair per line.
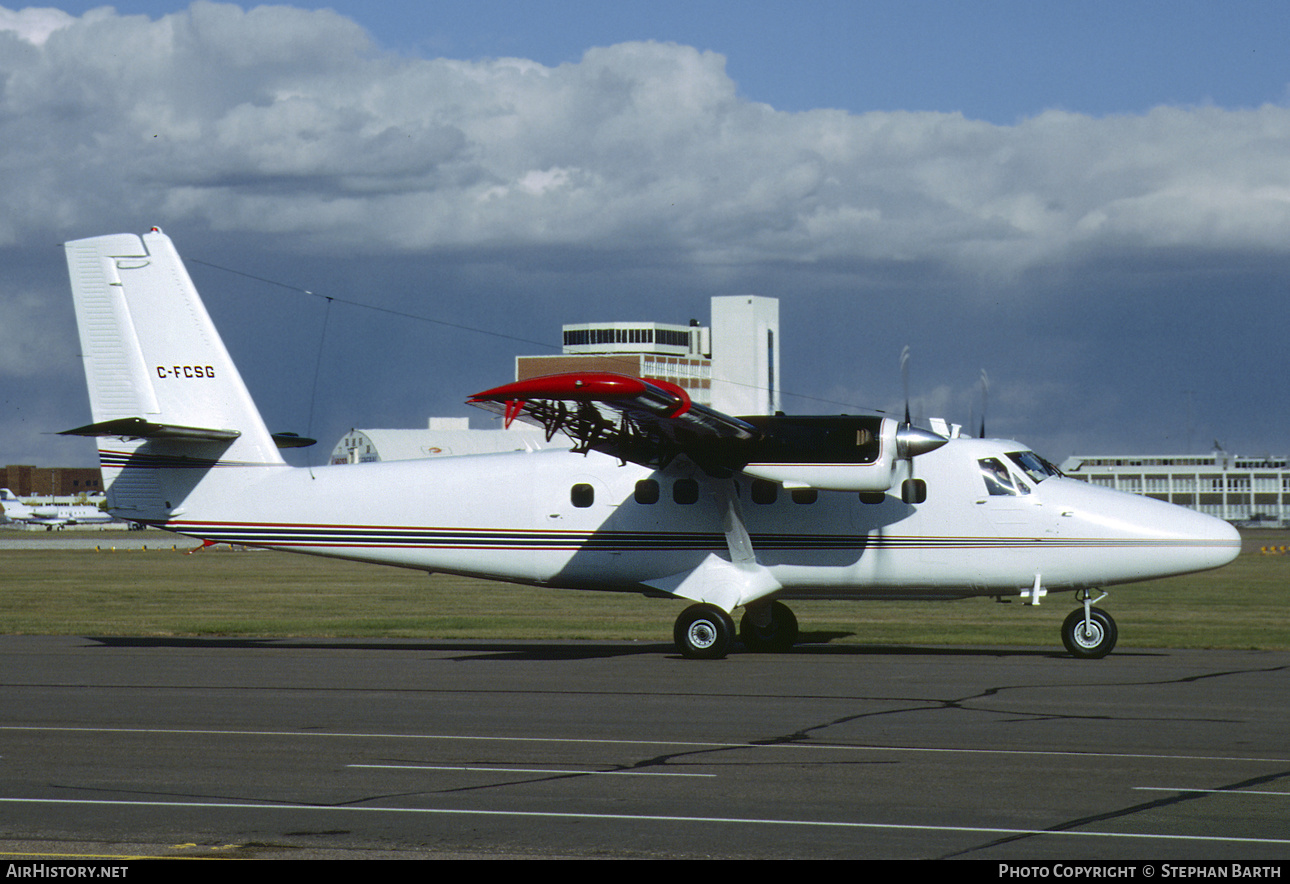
(904,379)
(912,441)
(985,393)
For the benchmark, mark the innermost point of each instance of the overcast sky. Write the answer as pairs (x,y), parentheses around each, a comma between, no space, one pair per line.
(1090,201)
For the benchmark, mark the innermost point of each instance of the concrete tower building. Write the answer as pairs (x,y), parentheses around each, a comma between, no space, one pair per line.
(745,354)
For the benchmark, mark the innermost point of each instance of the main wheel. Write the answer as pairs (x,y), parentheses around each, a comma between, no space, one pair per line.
(704,632)
(1092,642)
(776,636)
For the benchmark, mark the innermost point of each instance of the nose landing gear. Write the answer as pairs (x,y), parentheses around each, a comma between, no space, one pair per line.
(1089,632)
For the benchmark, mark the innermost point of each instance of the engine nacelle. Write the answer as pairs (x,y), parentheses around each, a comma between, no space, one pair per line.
(835,452)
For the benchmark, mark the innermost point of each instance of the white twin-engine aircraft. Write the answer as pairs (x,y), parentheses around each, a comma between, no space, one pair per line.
(657,495)
(56,515)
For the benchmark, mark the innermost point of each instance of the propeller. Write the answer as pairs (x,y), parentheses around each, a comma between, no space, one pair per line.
(912,441)
(904,379)
(985,393)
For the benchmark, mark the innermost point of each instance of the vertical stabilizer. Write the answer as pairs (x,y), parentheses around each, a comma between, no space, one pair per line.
(11,507)
(160,380)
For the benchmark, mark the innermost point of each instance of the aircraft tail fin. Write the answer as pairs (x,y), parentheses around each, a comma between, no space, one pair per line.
(11,507)
(160,379)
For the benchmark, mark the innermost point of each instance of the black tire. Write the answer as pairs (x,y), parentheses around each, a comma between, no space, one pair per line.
(776,637)
(704,632)
(1097,642)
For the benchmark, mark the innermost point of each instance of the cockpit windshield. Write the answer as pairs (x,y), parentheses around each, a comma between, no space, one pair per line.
(1034,466)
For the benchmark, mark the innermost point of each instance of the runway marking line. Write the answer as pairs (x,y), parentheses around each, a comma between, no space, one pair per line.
(536,770)
(689,744)
(1216,791)
(116,856)
(530,814)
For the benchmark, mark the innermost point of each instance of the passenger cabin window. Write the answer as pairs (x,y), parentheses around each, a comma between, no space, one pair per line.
(764,491)
(872,497)
(685,491)
(582,495)
(805,495)
(646,491)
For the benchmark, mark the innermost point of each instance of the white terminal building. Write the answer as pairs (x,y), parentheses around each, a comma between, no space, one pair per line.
(731,365)
(1251,490)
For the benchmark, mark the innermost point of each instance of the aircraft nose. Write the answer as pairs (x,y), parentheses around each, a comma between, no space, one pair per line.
(1223,541)
(1200,542)
(1150,538)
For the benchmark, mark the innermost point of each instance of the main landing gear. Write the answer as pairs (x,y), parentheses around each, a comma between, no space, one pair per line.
(768,627)
(1089,632)
(705,632)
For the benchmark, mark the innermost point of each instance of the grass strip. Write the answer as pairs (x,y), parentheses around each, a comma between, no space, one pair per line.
(223,592)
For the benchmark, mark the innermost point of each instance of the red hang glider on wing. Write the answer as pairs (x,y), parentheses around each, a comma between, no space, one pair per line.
(648,422)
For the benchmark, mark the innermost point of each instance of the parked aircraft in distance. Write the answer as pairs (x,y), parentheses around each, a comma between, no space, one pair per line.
(655,494)
(51,516)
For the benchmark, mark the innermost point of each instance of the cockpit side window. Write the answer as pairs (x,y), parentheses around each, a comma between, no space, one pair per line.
(997,480)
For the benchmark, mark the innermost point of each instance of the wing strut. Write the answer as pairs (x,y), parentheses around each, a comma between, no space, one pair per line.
(732,524)
(727,584)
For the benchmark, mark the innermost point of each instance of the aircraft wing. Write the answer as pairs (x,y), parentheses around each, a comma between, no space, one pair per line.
(648,422)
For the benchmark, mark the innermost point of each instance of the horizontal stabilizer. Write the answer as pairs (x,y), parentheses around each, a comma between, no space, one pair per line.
(138,428)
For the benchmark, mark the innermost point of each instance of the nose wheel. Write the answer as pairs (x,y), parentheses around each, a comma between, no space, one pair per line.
(1089,632)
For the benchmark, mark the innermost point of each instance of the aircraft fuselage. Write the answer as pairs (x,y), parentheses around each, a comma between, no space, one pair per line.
(589,522)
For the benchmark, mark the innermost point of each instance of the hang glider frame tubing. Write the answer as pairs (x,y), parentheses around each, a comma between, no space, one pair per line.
(542,401)
(586,426)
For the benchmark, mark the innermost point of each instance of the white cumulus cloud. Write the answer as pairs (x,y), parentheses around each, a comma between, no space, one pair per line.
(33,25)
(278,119)
(291,131)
